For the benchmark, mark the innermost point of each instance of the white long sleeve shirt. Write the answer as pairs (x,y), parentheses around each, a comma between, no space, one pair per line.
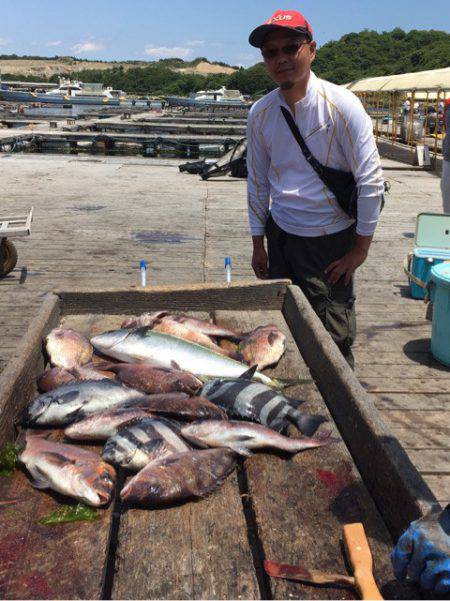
(339,134)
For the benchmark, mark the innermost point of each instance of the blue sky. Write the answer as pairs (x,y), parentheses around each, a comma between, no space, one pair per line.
(152,29)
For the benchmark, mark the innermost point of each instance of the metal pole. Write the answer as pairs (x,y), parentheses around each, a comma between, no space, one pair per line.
(411,118)
(435,129)
(378,115)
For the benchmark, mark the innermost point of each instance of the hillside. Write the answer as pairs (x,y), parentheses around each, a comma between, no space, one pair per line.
(43,68)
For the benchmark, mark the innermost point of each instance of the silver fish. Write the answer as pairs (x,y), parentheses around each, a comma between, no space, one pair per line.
(242,437)
(179,476)
(67,469)
(76,400)
(259,403)
(67,348)
(102,426)
(135,446)
(143,344)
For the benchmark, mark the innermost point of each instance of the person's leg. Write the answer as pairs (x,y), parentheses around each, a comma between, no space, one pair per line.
(334,304)
(445,186)
(276,241)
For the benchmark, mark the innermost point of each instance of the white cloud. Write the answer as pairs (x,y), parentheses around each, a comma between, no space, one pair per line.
(88,46)
(194,43)
(247,59)
(4,42)
(166,52)
(55,43)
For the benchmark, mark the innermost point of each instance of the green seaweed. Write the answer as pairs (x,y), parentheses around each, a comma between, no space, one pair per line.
(70,513)
(9,458)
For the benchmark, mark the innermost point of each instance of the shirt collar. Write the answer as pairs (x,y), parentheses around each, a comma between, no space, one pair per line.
(310,93)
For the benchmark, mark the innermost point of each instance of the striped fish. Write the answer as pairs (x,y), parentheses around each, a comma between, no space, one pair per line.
(259,403)
(136,445)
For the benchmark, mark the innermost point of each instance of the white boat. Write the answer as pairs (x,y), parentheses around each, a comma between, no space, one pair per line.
(222,97)
(73,92)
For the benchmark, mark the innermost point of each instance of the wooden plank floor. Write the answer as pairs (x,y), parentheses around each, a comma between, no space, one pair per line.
(96,217)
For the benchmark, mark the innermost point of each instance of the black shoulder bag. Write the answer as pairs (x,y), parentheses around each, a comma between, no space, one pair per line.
(341,183)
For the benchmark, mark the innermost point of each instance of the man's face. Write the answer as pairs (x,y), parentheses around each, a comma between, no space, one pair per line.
(286,64)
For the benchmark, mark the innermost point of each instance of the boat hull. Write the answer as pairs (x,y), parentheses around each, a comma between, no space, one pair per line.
(180,101)
(26,97)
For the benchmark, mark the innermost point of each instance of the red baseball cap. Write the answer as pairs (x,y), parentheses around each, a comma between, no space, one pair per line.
(290,19)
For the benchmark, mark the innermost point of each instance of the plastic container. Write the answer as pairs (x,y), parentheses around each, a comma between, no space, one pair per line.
(440,296)
(432,247)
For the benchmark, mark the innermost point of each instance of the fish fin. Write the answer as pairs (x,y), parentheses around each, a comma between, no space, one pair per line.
(174,365)
(295,403)
(241,450)
(40,482)
(248,375)
(243,438)
(306,423)
(57,459)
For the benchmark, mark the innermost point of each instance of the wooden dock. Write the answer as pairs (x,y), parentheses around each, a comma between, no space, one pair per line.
(96,217)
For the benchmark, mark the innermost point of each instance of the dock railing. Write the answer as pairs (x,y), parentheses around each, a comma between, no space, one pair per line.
(407,112)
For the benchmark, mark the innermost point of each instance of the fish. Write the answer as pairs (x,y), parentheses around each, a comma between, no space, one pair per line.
(67,348)
(167,325)
(67,469)
(179,476)
(76,400)
(199,325)
(136,445)
(155,380)
(143,344)
(106,424)
(257,402)
(263,346)
(178,405)
(57,376)
(242,437)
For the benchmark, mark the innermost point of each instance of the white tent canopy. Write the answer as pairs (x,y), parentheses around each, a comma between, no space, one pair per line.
(437,79)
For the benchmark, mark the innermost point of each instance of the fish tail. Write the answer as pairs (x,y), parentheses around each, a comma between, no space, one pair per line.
(282,383)
(306,423)
(320,440)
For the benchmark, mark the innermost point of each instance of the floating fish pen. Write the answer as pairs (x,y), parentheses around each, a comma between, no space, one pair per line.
(272,508)
(118,144)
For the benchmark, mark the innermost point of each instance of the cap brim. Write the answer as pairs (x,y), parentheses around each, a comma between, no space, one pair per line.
(259,34)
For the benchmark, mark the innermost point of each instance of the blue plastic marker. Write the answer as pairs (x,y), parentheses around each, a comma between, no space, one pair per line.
(228,269)
(143,268)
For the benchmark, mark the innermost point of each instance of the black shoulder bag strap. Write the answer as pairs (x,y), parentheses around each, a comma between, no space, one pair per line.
(341,183)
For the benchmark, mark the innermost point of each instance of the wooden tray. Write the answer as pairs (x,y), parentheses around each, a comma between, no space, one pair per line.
(286,510)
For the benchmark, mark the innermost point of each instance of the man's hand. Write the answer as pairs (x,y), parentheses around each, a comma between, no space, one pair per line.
(346,266)
(350,262)
(260,260)
(423,553)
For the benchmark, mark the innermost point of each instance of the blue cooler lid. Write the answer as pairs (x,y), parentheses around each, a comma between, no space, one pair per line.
(432,253)
(440,274)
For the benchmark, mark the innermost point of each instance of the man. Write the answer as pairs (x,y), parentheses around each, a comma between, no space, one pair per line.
(310,239)
(445,177)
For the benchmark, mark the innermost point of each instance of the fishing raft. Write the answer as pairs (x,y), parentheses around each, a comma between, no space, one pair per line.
(288,510)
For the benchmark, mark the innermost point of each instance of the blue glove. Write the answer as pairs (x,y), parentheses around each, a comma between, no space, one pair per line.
(422,553)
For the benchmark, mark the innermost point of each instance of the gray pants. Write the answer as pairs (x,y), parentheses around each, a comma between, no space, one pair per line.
(303,260)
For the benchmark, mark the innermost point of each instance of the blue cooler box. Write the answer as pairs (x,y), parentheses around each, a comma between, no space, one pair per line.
(432,246)
(440,296)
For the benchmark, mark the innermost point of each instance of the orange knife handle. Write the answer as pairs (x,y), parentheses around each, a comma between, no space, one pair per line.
(360,557)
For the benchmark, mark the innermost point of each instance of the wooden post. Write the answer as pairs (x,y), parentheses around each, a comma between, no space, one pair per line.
(378,115)
(411,118)
(435,129)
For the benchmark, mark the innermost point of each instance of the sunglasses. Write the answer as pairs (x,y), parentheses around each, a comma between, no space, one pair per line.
(288,50)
